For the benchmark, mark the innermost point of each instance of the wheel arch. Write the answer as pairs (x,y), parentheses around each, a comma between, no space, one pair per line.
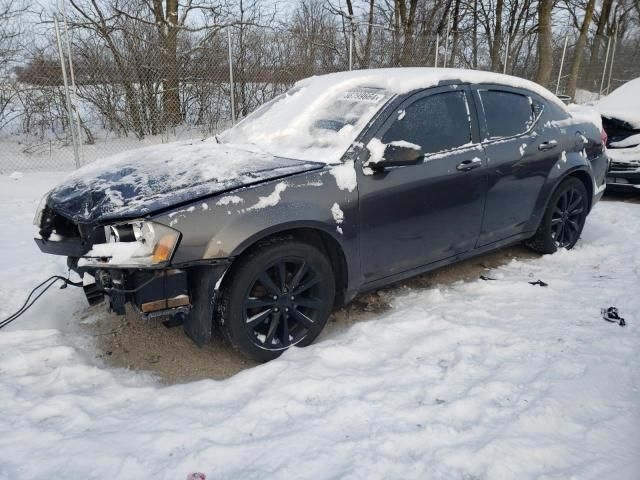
(310,233)
(582,174)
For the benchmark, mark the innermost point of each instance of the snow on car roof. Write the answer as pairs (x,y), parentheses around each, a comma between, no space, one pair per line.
(623,104)
(320,117)
(404,79)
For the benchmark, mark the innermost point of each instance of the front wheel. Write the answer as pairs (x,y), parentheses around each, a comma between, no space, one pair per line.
(278,295)
(564,218)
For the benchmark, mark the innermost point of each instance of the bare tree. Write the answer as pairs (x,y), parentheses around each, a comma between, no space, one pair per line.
(545,42)
(579,49)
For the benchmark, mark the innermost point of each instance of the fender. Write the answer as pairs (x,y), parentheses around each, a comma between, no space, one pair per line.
(224,227)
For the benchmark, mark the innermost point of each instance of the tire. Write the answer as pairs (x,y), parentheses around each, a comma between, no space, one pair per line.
(263,314)
(563,220)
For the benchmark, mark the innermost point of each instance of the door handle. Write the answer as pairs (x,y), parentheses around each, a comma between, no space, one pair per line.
(548,145)
(469,165)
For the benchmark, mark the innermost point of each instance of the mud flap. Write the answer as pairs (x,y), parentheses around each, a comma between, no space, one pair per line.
(198,323)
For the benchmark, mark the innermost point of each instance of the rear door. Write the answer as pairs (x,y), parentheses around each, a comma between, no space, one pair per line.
(414,215)
(520,152)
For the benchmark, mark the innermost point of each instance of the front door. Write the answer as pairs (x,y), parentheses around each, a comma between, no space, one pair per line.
(414,215)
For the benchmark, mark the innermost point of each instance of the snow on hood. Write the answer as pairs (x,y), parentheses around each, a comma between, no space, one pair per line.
(623,104)
(139,182)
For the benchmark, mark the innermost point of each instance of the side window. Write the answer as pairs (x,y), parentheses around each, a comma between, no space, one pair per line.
(556,112)
(437,123)
(507,113)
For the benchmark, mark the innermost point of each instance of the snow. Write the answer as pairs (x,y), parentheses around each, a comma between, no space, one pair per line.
(143,180)
(118,253)
(227,199)
(522,149)
(584,113)
(479,379)
(376,150)
(629,156)
(270,200)
(623,103)
(345,175)
(337,213)
(321,116)
(630,141)
(338,216)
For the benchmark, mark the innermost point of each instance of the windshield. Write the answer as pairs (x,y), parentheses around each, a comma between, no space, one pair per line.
(312,121)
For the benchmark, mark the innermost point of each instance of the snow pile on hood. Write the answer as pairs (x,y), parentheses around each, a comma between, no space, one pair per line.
(140,181)
(623,104)
(320,117)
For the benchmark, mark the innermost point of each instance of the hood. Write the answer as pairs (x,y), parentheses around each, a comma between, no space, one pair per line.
(140,182)
(623,104)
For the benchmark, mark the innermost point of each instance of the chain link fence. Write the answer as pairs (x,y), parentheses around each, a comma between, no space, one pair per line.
(84,96)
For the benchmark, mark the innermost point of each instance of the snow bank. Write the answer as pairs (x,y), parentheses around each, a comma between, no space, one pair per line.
(497,379)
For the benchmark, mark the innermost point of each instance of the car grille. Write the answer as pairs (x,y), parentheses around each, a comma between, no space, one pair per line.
(624,167)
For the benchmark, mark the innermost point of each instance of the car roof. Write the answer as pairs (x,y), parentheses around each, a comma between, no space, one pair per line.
(405,79)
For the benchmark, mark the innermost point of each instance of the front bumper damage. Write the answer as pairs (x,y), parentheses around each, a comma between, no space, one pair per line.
(185,292)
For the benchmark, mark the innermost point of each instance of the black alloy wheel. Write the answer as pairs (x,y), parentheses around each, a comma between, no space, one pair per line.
(278,296)
(564,218)
(567,217)
(283,303)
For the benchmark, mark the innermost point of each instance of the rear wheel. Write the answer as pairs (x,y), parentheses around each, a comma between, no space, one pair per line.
(564,219)
(279,295)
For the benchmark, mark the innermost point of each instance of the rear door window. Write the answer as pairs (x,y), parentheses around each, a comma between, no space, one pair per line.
(507,114)
(437,123)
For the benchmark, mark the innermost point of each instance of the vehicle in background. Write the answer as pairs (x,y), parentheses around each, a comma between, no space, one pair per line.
(620,113)
(346,183)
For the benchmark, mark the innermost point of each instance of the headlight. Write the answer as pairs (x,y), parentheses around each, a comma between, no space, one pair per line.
(37,220)
(134,244)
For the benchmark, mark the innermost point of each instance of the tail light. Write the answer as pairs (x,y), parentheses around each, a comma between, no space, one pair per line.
(605,137)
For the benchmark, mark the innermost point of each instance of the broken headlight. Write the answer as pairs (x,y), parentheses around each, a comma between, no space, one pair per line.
(37,219)
(134,244)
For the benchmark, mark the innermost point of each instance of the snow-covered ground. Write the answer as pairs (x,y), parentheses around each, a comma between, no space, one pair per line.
(477,380)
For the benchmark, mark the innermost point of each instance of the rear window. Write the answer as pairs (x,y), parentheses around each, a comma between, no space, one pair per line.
(507,113)
(437,123)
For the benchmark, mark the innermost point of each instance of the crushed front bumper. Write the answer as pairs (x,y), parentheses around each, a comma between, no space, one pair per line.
(186,291)
(188,294)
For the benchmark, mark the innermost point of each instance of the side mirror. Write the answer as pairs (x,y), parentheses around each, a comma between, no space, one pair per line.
(397,154)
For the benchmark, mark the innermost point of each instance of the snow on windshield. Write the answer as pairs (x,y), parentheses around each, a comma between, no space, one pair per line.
(310,121)
(320,117)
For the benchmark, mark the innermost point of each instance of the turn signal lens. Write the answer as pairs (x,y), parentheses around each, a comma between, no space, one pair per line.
(164,248)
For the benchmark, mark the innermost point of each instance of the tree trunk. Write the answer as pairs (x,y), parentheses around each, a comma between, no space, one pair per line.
(407,22)
(456,33)
(475,34)
(591,73)
(579,51)
(545,47)
(497,37)
(366,60)
(167,23)
(171,84)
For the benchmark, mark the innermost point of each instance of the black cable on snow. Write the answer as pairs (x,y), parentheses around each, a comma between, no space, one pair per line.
(28,303)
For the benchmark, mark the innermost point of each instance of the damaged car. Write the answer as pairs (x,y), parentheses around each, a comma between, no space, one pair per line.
(345,183)
(620,112)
